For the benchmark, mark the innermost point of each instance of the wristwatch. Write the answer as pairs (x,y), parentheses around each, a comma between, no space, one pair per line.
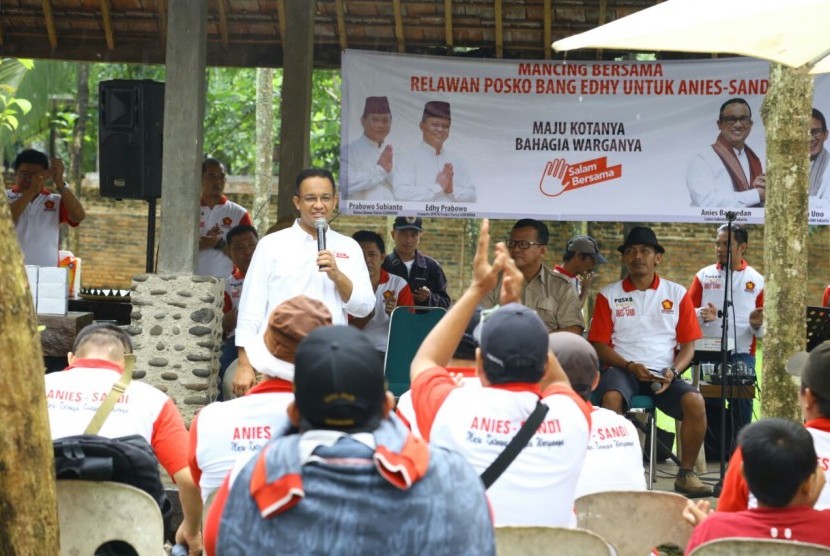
(673,369)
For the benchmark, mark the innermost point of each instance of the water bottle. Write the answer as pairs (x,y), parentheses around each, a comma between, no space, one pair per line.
(179,550)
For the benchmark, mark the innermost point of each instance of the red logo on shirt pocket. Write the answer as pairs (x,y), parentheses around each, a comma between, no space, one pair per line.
(49,205)
(749,287)
(227,221)
(667,305)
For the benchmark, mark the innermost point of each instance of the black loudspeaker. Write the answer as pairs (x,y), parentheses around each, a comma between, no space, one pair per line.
(130,129)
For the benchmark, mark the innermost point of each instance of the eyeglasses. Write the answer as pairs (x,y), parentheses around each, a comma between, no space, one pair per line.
(732,120)
(817,132)
(313,199)
(521,243)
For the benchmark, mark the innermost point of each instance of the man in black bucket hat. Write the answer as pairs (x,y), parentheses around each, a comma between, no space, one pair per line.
(637,325)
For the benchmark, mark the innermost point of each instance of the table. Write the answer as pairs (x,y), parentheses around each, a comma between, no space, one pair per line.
(57,339)
(746,392)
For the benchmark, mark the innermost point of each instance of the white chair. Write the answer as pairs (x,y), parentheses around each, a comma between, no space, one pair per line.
(91,513)
(756,547)
(635,522)
(542,541)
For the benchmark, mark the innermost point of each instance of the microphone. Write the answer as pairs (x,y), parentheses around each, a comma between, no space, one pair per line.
(731,216)
(655,386)
(320,224)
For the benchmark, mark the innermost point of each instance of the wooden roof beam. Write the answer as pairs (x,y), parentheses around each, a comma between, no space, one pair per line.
(341,24)
(281,15)
(106,17)
(49,18)
(396,7)
(603,7)
(547,28)
(448,38)
(499,29)
(161,5)
(223,22)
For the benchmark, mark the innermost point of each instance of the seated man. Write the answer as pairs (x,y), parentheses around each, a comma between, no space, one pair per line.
(614,460)
(781,470)
(74,395)
(580,258)
(814,399)
(548,293)
(353,480)
(537,489)
(223,432)
(637,324)
(241,243)
(390,290)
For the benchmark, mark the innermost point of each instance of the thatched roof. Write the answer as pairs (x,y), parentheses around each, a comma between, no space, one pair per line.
(250,32)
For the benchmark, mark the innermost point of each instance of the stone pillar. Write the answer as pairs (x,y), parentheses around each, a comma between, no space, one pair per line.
(176,328)
(298,61)
(184,114)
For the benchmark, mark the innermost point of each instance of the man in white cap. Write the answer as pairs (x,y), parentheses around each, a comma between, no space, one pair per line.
(814,399)
(430,172)
(368,162)
(224,431)
(580,258)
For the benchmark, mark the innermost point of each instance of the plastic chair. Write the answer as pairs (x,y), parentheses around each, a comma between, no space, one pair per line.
(91,513)
(641,405)
(657,515)
(542,541)
(753,547)
(408,326)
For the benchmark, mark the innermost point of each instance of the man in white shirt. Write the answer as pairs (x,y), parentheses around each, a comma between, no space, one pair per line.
(819,160)
(217,216)
(37,211)
(729,174)
(430,172)
(390,290)
(614,460)
(288,263)
(368,162)
(746,317)
(580,258)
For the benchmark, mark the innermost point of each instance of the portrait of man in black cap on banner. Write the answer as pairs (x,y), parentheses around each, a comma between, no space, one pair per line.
(430,172)
(368,163)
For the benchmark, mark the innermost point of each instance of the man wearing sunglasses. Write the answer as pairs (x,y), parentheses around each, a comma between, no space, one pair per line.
(729,174)
(548,293)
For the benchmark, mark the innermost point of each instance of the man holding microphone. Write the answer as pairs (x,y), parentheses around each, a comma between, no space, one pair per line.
(299,260)
(746,316)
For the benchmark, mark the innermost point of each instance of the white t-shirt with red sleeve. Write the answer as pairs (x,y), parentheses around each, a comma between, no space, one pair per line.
(614,460)
(747,295)
(75,394)
(644,326)
(390,285)
(227,214)
(538,487)
(222,432)
(38,228)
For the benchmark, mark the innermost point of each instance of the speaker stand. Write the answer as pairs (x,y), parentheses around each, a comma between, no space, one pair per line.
(151,234)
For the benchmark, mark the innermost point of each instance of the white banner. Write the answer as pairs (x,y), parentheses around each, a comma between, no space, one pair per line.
(553,140)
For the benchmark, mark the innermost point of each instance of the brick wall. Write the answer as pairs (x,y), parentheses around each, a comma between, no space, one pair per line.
(113,242)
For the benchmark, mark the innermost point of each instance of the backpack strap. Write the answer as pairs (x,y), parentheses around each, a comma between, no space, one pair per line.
(115,392)
(516,445)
